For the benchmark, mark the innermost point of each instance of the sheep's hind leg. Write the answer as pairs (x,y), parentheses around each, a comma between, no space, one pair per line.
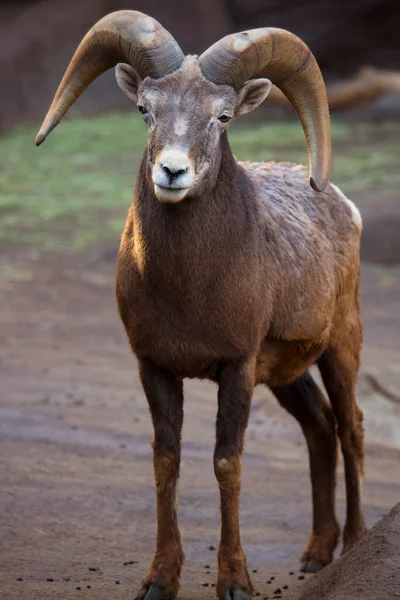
(305,401)
(165,397)
(339,369)
(236,384)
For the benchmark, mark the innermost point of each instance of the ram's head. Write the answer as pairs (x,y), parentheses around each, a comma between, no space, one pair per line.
(187,102)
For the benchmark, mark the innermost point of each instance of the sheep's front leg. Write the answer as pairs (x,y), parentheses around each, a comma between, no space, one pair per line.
(234,397)
(165,397)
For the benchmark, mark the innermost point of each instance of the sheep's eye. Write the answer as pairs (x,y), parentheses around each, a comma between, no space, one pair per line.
(224,119)
(142,109)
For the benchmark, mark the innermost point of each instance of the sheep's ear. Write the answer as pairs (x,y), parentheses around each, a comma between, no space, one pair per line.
(251,95)
(128,80)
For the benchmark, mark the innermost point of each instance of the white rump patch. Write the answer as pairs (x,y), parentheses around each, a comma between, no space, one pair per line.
(181,126)
(355,213)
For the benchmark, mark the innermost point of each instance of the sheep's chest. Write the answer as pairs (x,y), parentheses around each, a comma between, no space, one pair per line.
(187,323)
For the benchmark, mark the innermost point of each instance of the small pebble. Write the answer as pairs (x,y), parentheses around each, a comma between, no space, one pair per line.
(88,587)
(117,582)
(272,577)
(285,587)
(258,594)
(269,581)
(130,562)
(92,568)
(301,577)
(211,547)
(278,591)
(208,572)
(291,572)
(205,584)
(279,596)
(254,570)
(78,587)
(19,579)
(213,585)
(50,579)
(67,578)
(206,566)
(266,598)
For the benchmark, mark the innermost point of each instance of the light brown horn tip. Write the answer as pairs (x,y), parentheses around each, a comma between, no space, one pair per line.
(40,139)
(317,187)
(45,129)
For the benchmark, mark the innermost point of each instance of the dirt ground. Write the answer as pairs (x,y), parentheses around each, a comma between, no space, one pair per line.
(76,491)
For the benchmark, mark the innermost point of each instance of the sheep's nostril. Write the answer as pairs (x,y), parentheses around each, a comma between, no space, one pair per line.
(167,170)
(173,173)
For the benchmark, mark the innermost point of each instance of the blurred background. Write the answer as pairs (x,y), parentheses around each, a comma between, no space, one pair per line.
(75,460)
(356,44)
(38,37)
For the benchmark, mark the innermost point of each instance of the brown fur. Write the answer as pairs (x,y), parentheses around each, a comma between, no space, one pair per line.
(251,279)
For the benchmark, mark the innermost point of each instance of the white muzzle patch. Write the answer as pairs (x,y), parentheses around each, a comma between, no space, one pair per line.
(173,175)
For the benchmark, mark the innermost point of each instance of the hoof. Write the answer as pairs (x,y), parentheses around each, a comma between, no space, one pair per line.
(311,566)
(152,593)
(236,593)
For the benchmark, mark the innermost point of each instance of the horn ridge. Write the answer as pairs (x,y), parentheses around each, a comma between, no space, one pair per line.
(122,36)
(288,62)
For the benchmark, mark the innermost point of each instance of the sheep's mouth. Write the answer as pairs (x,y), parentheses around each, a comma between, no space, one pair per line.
(171,188)
(169,194)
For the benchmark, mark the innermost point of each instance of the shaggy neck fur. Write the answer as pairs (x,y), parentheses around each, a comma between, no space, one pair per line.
(216,220)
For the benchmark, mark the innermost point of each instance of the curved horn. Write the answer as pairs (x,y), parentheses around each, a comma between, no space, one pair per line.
(123,36)
(290,65)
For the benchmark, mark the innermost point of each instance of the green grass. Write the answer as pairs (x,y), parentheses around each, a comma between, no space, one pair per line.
(74,191)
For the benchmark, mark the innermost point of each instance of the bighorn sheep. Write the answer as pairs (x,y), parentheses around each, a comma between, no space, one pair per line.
(236,272)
